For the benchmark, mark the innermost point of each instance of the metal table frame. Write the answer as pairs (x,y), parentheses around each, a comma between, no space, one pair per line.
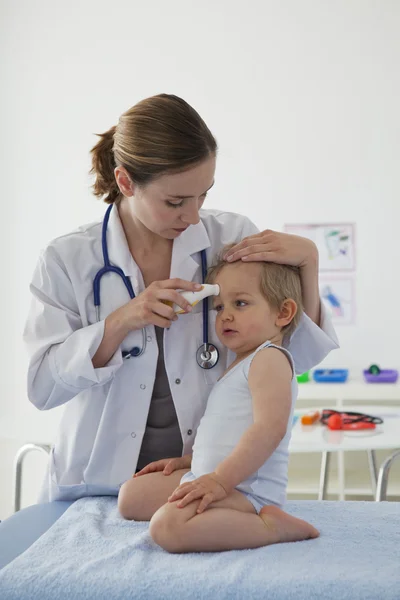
(18,463)
(379,481)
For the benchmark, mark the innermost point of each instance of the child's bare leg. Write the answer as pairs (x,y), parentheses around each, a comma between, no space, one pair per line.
(235,525)
(140,497)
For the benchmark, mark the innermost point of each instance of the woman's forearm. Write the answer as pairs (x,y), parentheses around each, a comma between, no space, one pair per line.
(310,290)
(116,328)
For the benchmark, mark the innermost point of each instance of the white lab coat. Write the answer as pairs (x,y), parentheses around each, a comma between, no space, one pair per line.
(106,409)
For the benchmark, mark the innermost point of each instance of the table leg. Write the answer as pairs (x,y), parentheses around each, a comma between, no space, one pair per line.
(341,475)
(373,470)
(323,479)
(340,459)
(381,488)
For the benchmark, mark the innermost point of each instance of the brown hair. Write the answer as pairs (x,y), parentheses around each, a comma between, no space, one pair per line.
(277,284)
(158,135)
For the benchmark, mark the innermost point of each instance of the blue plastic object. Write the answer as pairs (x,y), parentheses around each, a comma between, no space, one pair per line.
(330,375)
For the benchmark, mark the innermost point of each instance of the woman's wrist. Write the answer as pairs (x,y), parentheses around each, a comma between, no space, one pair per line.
(310,288)
(311,262)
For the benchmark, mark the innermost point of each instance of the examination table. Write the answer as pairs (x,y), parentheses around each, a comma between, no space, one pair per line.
(83,550)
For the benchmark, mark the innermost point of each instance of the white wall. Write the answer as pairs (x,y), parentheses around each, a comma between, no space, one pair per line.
(303,97)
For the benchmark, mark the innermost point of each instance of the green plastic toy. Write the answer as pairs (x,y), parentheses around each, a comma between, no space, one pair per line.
(304,377)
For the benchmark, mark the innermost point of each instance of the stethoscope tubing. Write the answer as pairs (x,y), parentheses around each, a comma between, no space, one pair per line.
(109,268)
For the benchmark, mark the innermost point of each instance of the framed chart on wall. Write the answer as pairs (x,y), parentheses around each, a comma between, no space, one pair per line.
(335,243)
(337,263)
(337,293)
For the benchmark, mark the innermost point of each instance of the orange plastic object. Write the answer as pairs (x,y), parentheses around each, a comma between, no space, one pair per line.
(310,418)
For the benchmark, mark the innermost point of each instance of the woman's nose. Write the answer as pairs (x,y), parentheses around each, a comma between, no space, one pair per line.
(191,215)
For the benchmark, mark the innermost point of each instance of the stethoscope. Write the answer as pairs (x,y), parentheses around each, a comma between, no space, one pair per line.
(207,354)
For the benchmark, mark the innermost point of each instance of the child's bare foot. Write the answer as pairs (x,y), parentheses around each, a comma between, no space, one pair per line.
(286,528)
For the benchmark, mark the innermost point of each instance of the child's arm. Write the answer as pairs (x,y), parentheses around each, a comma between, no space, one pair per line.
(270,377)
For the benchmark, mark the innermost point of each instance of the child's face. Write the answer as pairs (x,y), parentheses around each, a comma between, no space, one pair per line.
(244,318)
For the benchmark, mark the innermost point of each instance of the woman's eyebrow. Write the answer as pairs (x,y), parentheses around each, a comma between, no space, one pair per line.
(187,197)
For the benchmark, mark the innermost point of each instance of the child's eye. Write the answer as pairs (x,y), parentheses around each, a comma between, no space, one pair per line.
(241,302)
(173,205)
(218,307)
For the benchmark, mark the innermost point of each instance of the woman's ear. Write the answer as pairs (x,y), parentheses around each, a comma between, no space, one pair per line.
(124,182)
(286,313)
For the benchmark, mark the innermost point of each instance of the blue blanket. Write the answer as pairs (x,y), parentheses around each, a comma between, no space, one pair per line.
(92,553)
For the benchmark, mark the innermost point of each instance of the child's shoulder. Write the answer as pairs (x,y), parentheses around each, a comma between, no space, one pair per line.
(269,360)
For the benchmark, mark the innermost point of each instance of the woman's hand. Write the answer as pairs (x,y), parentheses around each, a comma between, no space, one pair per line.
(273,246)
(167,465)
(153,306)
(285,249)
(208,487)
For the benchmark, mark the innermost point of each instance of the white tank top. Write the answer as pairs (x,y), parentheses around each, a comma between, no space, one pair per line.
(229,413)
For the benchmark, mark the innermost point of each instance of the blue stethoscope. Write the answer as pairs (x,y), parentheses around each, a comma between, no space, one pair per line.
(207,354)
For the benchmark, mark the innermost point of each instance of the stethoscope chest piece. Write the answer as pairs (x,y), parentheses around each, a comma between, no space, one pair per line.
(207,356)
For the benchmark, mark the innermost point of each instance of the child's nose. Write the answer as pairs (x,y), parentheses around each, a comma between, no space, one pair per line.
(226,315)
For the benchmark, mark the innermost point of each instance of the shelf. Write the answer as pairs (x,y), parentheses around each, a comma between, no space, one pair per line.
(353,390)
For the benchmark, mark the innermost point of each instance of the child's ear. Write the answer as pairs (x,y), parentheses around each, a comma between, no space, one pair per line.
(286,313)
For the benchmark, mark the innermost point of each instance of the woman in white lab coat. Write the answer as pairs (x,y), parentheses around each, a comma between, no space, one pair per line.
(155,168)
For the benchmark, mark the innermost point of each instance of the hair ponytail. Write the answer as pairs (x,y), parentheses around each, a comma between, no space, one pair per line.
(161,134)
(103,165)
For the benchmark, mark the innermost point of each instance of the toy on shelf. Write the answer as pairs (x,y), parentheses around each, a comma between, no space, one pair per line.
(376,375)
(310,418)
(304,377)
(331,375)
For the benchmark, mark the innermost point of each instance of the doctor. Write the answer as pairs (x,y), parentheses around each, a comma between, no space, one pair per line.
(127,369)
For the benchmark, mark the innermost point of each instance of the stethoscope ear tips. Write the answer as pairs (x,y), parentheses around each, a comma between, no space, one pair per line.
(134,352)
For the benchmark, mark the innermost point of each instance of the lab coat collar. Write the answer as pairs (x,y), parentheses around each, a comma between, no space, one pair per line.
(183,265)
(188,244)
(118,249)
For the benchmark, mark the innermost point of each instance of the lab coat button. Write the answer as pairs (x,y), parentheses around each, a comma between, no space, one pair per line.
(133,434)
(177,381)
(142,386)
(149,338)
(189,431)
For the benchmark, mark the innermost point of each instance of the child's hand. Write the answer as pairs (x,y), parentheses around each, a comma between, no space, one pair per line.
(208,487)
(166,465)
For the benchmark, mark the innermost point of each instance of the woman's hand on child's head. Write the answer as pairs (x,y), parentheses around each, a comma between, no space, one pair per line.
(166,465)
(274,246)
(208,488)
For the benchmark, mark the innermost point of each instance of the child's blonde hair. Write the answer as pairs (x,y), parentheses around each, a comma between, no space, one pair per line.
(277,284)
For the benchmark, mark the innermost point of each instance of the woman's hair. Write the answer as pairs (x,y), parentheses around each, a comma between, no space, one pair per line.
(158,135)
(277,284)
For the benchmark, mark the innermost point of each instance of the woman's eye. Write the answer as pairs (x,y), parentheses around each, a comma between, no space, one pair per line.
(173,205)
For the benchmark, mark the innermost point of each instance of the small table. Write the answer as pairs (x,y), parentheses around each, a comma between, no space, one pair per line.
(319,438)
